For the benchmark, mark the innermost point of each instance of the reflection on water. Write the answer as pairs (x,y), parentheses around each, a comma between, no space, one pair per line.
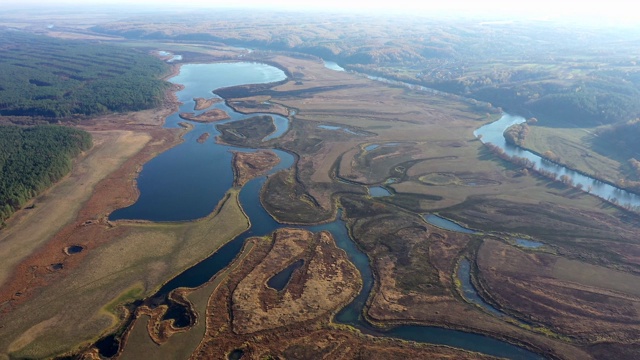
(493,133)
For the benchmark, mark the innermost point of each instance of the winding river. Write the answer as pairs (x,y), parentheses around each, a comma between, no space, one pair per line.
(493,133)
(187,181)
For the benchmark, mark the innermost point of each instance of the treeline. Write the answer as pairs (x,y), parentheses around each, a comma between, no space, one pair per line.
(621,138)
(34,158)
(53,78)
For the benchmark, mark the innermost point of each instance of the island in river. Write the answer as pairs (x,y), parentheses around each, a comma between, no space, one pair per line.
(203,103)
(207,116)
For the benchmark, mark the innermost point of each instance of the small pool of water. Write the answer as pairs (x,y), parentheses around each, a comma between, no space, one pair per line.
(74,249)
(180,314)
(280,280)
(446,224)
(379,191)
(529,243)
(236,354)
(108,346)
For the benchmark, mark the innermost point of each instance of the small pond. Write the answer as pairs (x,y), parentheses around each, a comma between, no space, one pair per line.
(280,280)
(333,66)
(446,224)
(379,191)
(529,243)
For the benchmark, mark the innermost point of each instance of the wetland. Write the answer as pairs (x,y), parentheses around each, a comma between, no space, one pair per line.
(328,214)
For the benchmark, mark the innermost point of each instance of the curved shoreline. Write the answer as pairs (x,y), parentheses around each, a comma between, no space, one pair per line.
(334,212)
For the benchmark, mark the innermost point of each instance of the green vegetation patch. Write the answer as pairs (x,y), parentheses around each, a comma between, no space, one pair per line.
(249,132)
(54,78)
(32,159)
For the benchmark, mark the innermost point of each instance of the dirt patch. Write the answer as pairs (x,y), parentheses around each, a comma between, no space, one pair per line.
(248,166)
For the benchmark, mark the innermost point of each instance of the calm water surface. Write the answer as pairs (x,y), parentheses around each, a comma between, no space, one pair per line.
(186,183)
(493,133)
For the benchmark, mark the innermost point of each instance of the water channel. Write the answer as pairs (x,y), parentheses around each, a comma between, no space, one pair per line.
(187,181)
(493,133)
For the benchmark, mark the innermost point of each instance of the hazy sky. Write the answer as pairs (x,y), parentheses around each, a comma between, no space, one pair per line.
(617,10)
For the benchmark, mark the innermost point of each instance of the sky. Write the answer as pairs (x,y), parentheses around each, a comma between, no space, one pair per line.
(608,10)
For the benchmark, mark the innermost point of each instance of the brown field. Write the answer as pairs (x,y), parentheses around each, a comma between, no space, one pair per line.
(590,304)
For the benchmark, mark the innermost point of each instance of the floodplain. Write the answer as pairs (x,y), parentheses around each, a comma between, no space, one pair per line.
(576,296)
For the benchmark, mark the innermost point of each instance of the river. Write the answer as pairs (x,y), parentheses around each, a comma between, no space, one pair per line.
(493,133)
(187,181)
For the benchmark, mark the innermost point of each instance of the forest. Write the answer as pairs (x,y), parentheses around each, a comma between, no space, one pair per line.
(54,78)
(34,158)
